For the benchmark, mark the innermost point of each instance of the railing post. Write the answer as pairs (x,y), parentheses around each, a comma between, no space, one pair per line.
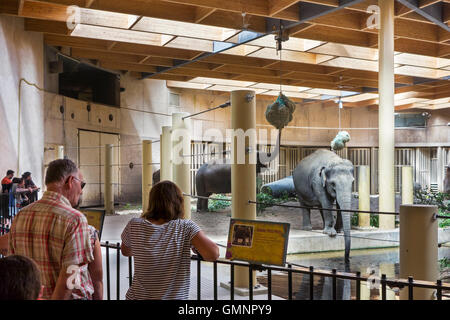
(269,284)
(358,285)
(199,274)
(439,289)
(383,287)
(290,281)
(108,282)
(410,288)
(334,285)
(118,271)
(232,283)
(215,279)
(419,247)
(250,282)
(130,271)
(311,283)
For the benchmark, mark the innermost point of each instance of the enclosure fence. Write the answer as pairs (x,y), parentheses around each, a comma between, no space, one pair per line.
(290,269)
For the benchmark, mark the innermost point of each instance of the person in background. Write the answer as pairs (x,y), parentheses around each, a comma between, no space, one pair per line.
(160,242)
(29,184)
(56,236)
(20,279)
(7,181)
(20,192)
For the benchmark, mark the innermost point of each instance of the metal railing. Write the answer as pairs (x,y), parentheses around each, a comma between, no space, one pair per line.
(292,269)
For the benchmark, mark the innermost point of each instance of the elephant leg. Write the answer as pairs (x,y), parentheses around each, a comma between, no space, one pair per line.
(202,204)
(306,218)
(329,221)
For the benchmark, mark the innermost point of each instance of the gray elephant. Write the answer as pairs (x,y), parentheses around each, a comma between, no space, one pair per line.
(214,176)
(319,180)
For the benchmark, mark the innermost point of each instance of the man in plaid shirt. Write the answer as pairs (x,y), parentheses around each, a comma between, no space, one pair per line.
(56,236)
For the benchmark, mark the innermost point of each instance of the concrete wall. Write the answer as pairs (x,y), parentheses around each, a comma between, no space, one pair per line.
(21,56)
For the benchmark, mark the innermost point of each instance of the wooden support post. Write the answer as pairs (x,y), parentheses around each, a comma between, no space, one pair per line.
(59,152)
(109,191)
(146,172)
(386,114)
(181,159)
(364,195)
(243,167)
(418,248)
(166,154)
(407,185)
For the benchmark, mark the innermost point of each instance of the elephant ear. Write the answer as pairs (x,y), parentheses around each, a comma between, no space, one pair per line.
(323,176)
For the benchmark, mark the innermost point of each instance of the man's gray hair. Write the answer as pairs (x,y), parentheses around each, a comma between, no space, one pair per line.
(59,170)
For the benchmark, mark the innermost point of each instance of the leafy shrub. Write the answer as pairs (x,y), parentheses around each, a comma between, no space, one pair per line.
(268,200)
(435,198)
(374,222)
(219,204)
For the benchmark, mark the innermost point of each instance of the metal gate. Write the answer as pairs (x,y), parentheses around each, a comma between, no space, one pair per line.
(91,159)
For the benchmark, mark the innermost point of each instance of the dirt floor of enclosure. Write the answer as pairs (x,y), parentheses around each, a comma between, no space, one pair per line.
(215,224)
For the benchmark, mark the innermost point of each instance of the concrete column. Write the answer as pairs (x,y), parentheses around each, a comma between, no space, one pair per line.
(418,248)
(109,191)
(389,270)
(407,185)
(59,152)
(166,154)
(364,195)
(440,166)
(181,149)
(386,113)
(146,172)
(243,175)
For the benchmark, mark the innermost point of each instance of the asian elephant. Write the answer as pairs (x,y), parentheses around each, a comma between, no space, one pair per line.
(215,176)
(319,180)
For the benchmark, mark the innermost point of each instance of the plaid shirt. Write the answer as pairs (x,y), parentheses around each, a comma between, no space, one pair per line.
(55,236)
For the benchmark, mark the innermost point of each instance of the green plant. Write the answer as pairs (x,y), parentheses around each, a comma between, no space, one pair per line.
(266,200)
(373,220)
(218,202)
(444,263)
(439,199)
(354,219)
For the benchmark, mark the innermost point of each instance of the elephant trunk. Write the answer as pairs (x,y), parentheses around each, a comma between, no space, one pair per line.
(344,201)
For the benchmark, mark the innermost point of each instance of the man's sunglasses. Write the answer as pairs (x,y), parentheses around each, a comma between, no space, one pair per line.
(82,182)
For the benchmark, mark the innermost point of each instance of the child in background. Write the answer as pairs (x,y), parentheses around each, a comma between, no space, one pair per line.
(20,279)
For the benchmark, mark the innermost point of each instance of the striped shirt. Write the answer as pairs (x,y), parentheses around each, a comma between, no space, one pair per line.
(55,236)
(162,258)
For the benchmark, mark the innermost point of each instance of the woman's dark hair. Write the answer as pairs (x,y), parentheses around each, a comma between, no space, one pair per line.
(26,175)
(165,202)
(21,278)
(17,180)
(9,172)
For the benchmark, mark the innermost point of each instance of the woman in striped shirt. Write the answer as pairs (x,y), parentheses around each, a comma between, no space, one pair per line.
(160,242)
